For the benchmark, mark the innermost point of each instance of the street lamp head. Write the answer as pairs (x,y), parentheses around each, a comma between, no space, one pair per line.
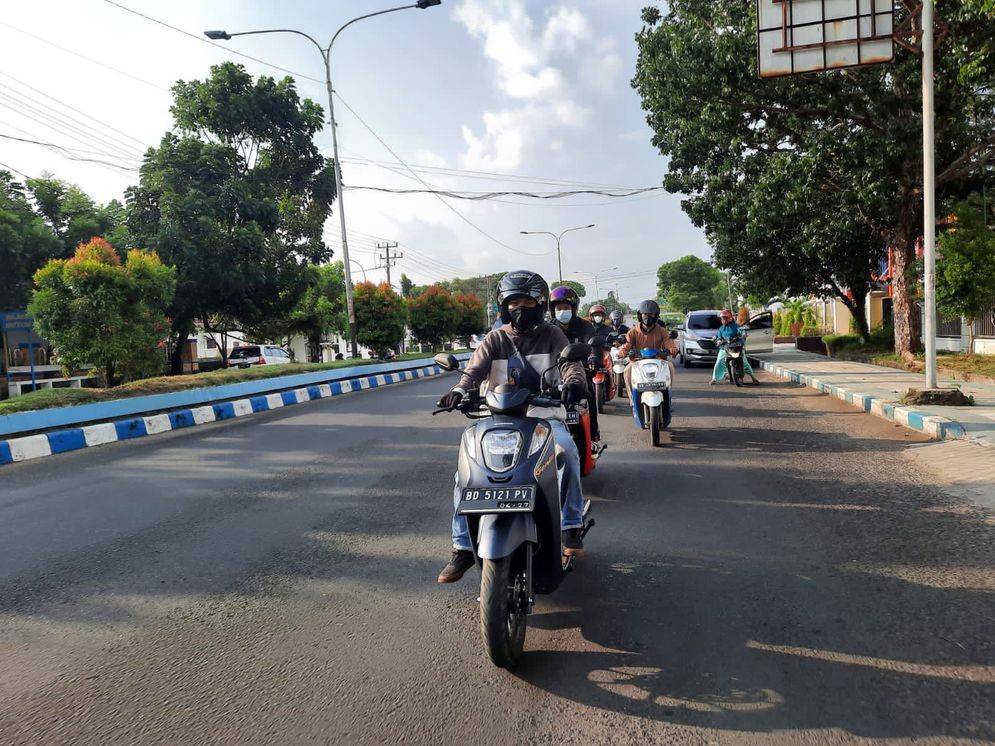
(427,3)
(591,225)
(217,35)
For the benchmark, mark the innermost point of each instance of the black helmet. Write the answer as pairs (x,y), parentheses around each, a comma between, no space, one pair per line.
(616,317)
(648,312)
(518,283)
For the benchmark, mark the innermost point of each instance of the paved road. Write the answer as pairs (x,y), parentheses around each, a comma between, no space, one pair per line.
(787,570)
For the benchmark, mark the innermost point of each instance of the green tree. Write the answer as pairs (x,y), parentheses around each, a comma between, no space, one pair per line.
(854,136)
(74,217)
(321,308)
(471,316)
(236,199)
(434,316)
(690,283)
(381,315)
(577,287)
(406,285)
(965,271)
(26,244)
(97,311)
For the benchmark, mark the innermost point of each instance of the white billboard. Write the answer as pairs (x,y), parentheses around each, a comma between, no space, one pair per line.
(803,36)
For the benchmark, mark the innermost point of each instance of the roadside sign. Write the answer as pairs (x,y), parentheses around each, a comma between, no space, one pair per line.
(803,36)
(16,321)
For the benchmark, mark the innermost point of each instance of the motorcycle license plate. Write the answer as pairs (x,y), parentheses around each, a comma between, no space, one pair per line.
(573,417)
(659,386)
(497,500)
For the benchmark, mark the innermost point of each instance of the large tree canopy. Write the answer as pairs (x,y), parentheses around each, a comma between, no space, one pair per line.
(26,244)
(236,198)
(690,283)
(812,174)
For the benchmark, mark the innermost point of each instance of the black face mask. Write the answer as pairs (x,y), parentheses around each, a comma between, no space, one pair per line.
(526,319)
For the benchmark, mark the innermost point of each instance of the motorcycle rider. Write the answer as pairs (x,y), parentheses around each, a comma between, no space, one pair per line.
(729,330)
(618,329)
(649,333)
(524,347)
(564,302)
(599,320)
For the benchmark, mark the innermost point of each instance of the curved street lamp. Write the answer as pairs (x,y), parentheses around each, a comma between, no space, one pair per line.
(326,53)
(559,262)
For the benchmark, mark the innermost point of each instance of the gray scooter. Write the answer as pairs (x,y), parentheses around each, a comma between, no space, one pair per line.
(509,477)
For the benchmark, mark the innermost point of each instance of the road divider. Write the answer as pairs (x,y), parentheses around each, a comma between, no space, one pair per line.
(145,415)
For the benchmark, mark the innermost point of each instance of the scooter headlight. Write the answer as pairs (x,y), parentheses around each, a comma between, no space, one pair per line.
(538,438)
(501,448)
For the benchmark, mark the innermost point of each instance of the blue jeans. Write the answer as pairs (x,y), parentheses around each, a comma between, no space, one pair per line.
(719,371)
(571,499)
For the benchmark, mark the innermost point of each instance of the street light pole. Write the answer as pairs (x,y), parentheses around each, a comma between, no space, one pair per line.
(326,55)
(559,261)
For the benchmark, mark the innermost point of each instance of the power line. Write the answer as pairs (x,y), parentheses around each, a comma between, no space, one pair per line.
(486,175)
(429,186)
(40,107)
(15,170)
(226,49)
(83,56)
(492,195)
(66,152)
(90,117)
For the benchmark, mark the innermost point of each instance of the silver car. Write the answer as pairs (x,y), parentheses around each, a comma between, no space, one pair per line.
(697,336)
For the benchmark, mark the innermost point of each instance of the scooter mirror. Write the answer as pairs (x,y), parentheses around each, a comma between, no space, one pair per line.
(673,334)
(446,361)
(575,352)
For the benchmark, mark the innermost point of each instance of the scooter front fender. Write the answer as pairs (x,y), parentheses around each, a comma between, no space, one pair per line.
(499,535)
(651,398)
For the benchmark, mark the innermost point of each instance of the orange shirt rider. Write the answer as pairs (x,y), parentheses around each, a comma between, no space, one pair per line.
(657,338)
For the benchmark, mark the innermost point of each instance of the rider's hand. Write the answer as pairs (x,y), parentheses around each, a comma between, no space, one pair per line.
(573,393)
(451,400)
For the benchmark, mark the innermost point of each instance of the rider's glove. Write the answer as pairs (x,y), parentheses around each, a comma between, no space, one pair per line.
(573,393)
(451,400)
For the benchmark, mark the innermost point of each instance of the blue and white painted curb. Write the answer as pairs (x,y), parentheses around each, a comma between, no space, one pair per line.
(936,427)
(87,436)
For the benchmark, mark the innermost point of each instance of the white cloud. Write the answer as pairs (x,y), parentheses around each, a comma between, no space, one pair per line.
(533,67)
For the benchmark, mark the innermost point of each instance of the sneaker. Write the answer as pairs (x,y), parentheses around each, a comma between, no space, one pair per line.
(597,447)
(572,543)
(461,561)
(712,382)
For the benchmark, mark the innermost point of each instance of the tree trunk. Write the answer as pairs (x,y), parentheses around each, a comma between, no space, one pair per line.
(109,375)
(859,314)
(181,329)
(905,311)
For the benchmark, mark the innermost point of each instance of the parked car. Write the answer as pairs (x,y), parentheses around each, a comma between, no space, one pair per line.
(243,357)
(697,336)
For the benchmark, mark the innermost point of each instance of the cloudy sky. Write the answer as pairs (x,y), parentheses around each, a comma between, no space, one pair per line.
(474,95)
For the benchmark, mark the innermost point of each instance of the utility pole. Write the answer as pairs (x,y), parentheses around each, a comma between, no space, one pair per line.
(389,260)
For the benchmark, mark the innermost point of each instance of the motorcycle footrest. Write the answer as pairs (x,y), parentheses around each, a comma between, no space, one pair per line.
(587,527)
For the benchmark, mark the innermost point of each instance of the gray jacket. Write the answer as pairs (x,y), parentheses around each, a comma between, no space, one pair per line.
(540,348)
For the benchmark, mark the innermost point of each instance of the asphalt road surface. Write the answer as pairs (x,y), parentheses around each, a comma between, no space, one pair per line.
(785,570)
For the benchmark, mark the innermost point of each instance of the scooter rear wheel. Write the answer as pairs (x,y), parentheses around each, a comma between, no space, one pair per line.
(502,621)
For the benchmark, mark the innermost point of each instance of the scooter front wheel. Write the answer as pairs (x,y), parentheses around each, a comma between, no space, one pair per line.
(502,619)
(599,396)
(653,421)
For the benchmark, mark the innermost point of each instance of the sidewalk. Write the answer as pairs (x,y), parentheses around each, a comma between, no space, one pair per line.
(877,390)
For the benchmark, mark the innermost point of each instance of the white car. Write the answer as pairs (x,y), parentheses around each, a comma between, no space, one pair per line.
(244,357)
